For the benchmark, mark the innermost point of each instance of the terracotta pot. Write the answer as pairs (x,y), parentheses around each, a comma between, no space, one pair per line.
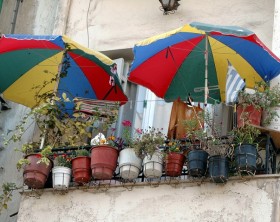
(36,174)
(81,169)
(103,161)
(255,115)
(174,164)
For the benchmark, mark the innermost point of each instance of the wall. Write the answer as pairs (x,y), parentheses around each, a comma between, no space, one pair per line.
(120,24)
(9,156)
(242,199)
(114,26)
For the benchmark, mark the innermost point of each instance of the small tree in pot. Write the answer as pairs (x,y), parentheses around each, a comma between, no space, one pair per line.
(197,156)
(246,148)
(219,148)
(251,104)
(55,128)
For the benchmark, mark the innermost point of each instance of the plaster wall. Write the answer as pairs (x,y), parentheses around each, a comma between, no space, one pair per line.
(108,25)
(253,199)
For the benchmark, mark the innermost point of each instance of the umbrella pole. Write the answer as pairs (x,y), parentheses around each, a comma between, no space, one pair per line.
(206,70)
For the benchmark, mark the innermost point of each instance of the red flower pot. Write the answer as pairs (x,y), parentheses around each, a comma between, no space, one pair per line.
(174,164)
(36,174)
(103,161)
(254,115)
(81,169)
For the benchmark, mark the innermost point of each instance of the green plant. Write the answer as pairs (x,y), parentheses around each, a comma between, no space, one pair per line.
(116,142)
(247,134)
(6,196)
(195,132)
(263,97)
(216,143)
(174,145)
(126,134)
(81,152)
(44,156)
(63,160)
(147,141)
(55,126)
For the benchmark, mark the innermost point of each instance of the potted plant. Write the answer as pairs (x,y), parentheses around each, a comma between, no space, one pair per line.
(55,129)
(105,152)
(61,173)
(251,104)
(246,148)
(104,159)
(147,147)
(218,162)
(81,166)
(175,158)
(219,149)
(130,164)
(271,112)
(197,156)
(36,166)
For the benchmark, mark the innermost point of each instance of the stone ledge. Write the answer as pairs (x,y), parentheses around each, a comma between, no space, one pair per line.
(189,182)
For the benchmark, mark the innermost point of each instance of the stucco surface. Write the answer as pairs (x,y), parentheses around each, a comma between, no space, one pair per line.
(254,200)
(120,24)
(108,25)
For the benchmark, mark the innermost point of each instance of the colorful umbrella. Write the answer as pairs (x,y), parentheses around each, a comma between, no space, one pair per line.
(193,60)
(30,63)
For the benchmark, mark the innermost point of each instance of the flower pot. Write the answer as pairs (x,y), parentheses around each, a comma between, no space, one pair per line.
(152,165)
(275,122)
(103,161)
(35,174)
(81,169)
(197,162)
(174,164)
(129,164)
(245,156)
(254,115)
(218,169)
(61,177)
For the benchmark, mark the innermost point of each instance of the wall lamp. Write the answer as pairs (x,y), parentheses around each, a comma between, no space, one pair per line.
(169,6)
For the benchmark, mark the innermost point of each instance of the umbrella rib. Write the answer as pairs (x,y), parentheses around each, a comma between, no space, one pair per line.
(177,67)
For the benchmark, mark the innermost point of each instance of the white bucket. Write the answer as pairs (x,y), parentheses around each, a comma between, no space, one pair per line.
(61,177)
(129,164)
(152,166)
(275,123)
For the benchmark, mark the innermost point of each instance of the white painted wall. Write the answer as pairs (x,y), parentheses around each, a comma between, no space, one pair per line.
(246,199)
(112,25)
(120,24)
